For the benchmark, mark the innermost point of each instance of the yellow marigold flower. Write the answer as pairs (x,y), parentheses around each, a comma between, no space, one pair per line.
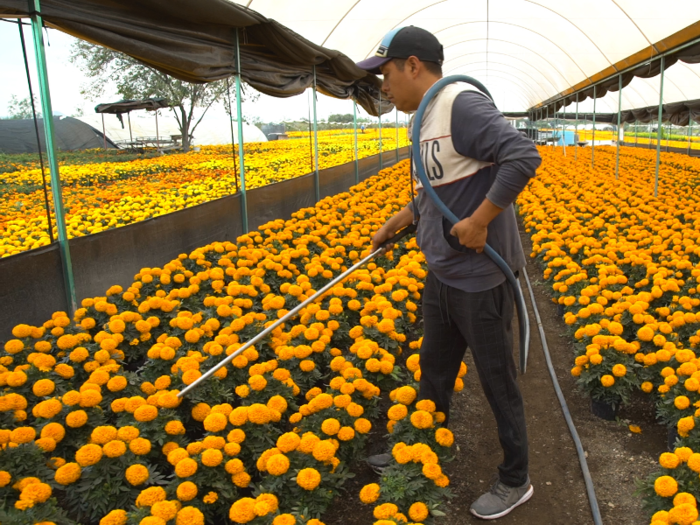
(683,514)
(330,426)
(210,498)
(89,454)
(90,398)
(36,493)
(186,491)
(422,419)
(212,457)
(115,517)
(148,497)
(684,497)
(114,449)
(185,468)
(444,437)
(103,434)
(234,466)
(200,411)
(43,387)
(258,414)
(362,425)
(68,473)
(355,410)
(137,474)
(22,435)
(242,511)
(619,370)
(418,511)
(140,446)
(117,383)
(308,478)
(635,429)
(288,442)
(5,478)
(607,380)
(406,395)
(324,450)
(236,436)
(432,471)
(669,460)
(190,516)
(284,519)
(681,402)
(277,464)
(385,511)
(166,510)
(694,462)
(370,493)
(174,428)
(426,404)
(665,486)
(145,413)
(397,412)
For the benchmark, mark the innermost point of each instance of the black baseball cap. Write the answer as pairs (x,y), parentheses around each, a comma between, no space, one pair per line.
(404,42)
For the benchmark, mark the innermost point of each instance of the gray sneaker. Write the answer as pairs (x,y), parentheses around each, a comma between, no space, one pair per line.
(500,500)
(379,462)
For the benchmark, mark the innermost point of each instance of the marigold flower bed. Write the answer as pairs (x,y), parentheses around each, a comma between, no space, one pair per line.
(92,430)
(101,196)
(624,268)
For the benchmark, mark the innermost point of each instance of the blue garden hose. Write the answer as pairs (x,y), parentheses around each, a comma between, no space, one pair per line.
(523,320)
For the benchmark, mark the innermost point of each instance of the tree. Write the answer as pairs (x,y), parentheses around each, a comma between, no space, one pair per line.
(341,119)
(135,80)
(22,108)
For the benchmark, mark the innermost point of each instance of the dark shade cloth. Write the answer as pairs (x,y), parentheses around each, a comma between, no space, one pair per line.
(126,106)
(676,113)
(454,319)
(19,136)
(196,42)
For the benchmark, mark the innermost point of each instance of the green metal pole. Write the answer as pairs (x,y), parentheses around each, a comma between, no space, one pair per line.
(381,159)
(658,130)
(397,133)
(576,131)
(239,117)
(357,158)
(593,140)
(317,183)
(619,117)
(68,280)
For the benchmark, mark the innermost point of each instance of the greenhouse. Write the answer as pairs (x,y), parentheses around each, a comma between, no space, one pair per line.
(239,282)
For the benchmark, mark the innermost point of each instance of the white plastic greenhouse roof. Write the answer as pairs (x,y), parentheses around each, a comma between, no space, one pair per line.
(524,51)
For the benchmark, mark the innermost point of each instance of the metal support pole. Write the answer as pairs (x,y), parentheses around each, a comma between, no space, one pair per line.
(317,183)
(157,134)
(45,95)
(576,131)
(593,139)
(104,133)
(619,116)
(357,158)
(131,137)
(397,133)
(233,137)
(690,130)
(381,157)
(658,130)
(239,118)
(563,135)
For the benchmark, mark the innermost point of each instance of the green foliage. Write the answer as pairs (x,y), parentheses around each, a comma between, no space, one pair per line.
(22,108)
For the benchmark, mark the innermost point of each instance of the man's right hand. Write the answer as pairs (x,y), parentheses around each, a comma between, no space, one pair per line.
(383,234)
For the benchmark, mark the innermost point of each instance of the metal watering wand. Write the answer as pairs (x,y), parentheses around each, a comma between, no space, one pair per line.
(294,311)
(523,319)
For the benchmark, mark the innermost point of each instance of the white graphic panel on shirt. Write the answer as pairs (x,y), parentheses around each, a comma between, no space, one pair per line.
(443,165)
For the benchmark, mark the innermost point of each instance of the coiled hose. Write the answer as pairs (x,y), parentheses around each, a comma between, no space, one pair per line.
(523,319)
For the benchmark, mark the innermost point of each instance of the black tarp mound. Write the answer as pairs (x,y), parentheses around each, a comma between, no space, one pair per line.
(18,136)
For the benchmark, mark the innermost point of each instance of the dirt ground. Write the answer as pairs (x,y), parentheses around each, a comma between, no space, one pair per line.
(616,457)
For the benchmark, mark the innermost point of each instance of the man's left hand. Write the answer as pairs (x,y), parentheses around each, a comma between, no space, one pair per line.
(471,234)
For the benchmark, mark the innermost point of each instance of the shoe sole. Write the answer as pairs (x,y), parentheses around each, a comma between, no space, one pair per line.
(522,500)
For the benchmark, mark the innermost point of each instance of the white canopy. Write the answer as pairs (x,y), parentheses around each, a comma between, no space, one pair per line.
(524,51)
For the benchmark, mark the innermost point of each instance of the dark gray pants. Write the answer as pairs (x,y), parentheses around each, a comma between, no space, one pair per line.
(454,319)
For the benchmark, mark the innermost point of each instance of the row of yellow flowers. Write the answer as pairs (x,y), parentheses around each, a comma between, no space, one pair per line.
(624,267)
(101,196)
(92,430)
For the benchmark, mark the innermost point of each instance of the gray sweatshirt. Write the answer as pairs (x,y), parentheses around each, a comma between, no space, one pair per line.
(471,152)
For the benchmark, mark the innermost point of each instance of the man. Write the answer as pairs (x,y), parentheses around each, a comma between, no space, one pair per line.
(478,164)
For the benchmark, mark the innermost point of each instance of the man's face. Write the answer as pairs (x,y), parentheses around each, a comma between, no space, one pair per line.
(399,86)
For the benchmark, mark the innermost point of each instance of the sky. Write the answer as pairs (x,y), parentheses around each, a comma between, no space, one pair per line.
(66,80)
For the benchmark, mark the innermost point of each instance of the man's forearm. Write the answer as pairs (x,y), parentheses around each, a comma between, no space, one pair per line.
(400,220)
(485,213)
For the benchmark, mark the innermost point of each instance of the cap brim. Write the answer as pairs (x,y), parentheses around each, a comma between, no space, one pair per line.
(372,64)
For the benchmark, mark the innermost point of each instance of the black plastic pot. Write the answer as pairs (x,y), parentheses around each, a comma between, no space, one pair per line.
(672,437)
(603,410)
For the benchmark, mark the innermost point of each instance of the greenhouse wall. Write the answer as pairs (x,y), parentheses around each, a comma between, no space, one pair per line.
(31,283)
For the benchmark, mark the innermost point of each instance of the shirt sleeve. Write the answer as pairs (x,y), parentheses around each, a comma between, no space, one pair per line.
(481,132)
